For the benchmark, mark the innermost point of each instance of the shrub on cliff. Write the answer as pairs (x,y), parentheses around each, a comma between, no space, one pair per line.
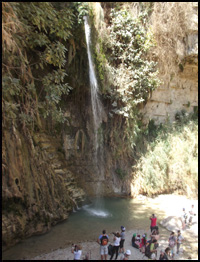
(34,57)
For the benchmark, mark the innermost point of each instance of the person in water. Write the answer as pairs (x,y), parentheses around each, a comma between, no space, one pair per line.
(103,241)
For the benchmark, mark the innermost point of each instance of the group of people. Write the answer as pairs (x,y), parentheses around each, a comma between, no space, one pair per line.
(147,247)
(116,248)
(187,217)
(106,249)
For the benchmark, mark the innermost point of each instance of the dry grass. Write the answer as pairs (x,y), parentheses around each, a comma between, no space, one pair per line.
(10,26)
(169,22)
(11,47)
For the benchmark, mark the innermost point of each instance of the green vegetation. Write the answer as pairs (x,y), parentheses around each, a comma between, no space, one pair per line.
(121,173)
(127,77)
(35,36)
(171,160)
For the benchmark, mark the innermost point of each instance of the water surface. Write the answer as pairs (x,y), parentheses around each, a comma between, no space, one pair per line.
(87,223)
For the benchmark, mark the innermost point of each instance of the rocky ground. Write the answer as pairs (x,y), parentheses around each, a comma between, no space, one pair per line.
(168,203)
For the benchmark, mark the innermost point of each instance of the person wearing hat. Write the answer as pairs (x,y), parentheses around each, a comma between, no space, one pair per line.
(137,241)
(121,246)
(126,255)
(134,240)
(143,243)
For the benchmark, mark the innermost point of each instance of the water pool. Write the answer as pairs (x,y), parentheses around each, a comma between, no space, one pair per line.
(87,223)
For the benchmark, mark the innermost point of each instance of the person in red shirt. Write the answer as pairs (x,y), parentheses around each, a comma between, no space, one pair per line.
(153,219)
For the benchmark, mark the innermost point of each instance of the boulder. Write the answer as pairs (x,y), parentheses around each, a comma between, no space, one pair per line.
(172,223)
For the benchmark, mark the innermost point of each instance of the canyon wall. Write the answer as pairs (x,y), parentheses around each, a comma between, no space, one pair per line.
(46,175)
(38,190)
(179,90)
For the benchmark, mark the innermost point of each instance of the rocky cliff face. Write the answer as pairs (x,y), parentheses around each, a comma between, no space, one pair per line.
(38,189)
(179,90)
(45,176)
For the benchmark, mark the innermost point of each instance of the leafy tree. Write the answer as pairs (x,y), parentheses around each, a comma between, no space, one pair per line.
(131,77)
(34,59)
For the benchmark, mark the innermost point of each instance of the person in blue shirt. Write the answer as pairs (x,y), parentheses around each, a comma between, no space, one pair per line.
(103,242)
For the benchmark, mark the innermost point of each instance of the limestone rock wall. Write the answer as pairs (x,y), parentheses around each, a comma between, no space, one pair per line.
(38,189)
(179,91)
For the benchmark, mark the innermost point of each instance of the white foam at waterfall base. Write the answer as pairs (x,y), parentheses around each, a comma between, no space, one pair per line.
(96,212)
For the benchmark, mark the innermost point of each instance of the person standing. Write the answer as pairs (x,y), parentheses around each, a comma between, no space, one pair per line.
(155,234)
(172,244)
(103,241)
(166,254)
(184,219)
(153,219)
(116,240)
(153,246)
(179,241)
(122,239)
(191,212)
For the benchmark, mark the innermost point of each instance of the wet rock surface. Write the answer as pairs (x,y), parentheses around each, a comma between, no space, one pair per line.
(38,189)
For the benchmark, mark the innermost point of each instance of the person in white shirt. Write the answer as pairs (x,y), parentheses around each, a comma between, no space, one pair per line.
(179,241)
(116,240)
(76,250)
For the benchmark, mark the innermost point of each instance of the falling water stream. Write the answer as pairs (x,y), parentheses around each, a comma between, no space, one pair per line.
(97,113)
(97,107)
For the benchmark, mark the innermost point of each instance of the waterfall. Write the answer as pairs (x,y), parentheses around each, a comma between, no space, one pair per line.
(97,112)
(95,101)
